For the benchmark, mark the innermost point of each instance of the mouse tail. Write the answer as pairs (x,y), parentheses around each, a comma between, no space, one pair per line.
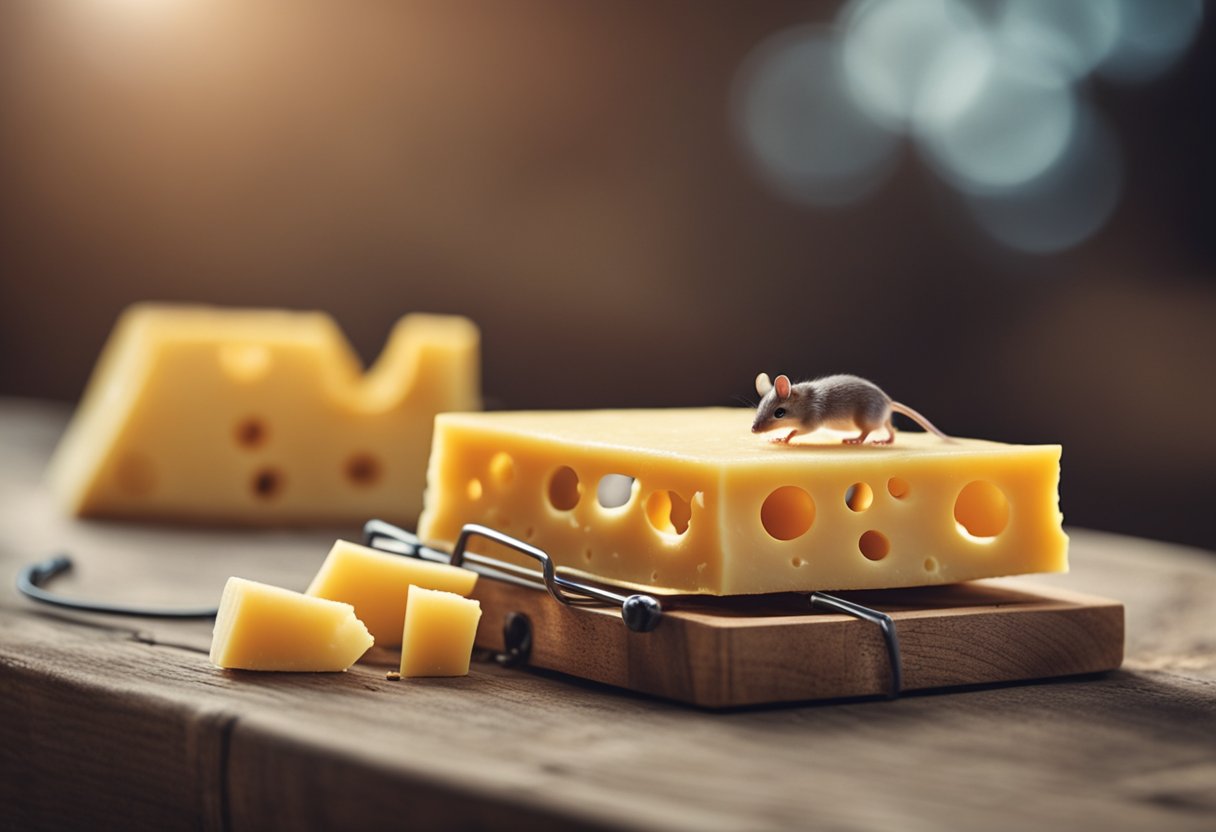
(919,419)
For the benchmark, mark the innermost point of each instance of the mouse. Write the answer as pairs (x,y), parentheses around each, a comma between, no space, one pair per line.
(843,402)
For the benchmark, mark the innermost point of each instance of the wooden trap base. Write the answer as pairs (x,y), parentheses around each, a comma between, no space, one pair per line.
(766,649)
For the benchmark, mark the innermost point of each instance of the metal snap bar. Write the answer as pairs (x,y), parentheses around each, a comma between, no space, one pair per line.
(641,613)
(885,623)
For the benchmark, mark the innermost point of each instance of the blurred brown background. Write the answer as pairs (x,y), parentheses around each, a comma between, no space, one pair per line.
(572,177)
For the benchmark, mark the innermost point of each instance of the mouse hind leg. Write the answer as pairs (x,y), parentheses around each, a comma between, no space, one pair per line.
(890,428)
(859,438)
(868,428)
(872,415)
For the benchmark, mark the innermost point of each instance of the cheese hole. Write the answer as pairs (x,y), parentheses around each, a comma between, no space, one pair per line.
(681,512)
(135,475)
(474,489)
(787,513)
(859,496)
(668,512)
(981,510)
(363,469)
(874,545)
(898,487)
(587,554)
(930,564)
(614,490)
(502,469)
(564,489)
(796,562)
(251,432)
(267,483)
(244,362)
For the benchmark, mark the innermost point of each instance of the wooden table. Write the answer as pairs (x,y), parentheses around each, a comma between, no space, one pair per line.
(121,723)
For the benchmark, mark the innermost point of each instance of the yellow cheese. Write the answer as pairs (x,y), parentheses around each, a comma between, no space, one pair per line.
(716,509)
(262,627)
(257,416)
(437,639)
(377,583)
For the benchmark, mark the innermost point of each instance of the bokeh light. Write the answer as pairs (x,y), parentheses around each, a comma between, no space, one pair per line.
(987,127)
(1152,36)
(805,132)
(1052,41)
(1066,205)
(891,48)
(992,93)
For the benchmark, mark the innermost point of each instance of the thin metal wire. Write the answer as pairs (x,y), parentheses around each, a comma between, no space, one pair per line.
(885,623)
(32,580)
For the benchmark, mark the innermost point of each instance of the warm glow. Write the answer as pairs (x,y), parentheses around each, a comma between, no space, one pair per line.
(139,6)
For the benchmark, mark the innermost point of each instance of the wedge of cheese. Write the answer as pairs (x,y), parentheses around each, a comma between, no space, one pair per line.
(437,639)
(263,627)
(702,505)
(261,417)
(377,585)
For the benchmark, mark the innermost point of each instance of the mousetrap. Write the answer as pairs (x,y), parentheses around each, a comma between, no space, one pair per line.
(719,652)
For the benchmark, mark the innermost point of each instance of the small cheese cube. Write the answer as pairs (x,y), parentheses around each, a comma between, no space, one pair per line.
(262,627)
(377,584)
(437,639)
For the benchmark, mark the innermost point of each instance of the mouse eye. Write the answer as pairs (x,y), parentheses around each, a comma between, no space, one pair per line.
(779,413)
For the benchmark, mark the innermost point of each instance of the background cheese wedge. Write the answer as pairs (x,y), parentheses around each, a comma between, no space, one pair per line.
(263,627)
(261,416)
(377,585)
(715,509)
(437,639)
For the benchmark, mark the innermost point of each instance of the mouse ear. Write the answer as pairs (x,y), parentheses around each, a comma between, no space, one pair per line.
(763,385)
(783,387)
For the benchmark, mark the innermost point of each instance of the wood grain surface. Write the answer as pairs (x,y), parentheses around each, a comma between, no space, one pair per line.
(118,723)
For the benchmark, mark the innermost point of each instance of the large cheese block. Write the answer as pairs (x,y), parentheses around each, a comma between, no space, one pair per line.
(702,505)
(255,416)
(263,627)
(377,585)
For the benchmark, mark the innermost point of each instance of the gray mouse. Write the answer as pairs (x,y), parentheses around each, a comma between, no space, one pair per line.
(842,402)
